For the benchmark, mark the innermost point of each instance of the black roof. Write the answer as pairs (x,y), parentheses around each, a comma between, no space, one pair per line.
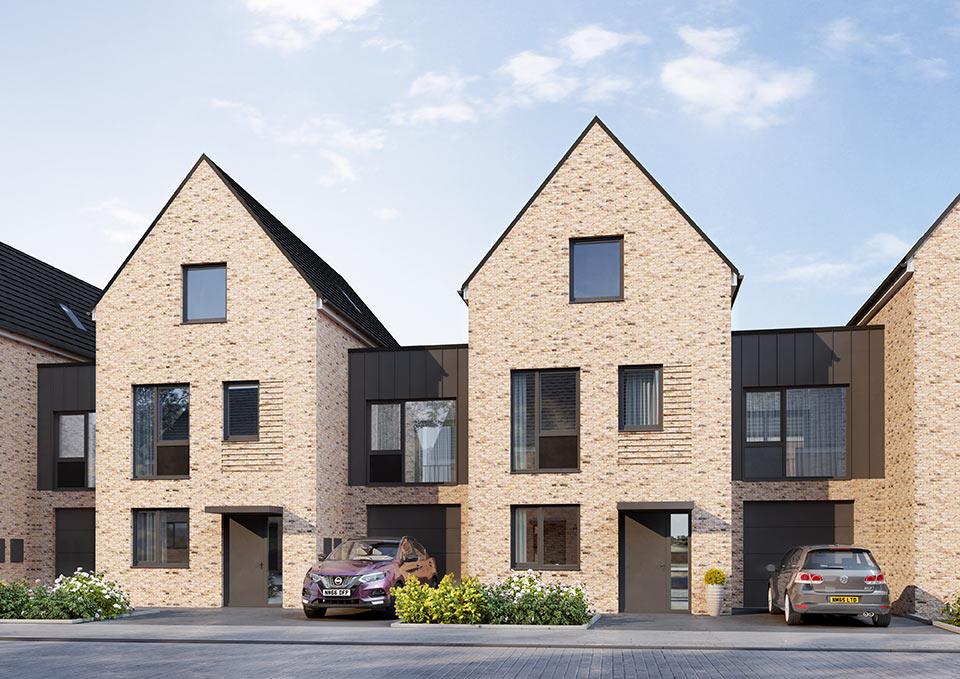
(326,282)
(31,293)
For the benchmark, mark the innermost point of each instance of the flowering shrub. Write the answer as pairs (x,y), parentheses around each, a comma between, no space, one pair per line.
(951,611)
(80,595)
(519,600)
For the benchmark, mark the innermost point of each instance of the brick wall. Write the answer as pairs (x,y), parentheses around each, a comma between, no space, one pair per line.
(676,312)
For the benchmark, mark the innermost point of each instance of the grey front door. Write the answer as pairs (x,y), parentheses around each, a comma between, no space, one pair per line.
(654,561)
(246,542)
(75,540)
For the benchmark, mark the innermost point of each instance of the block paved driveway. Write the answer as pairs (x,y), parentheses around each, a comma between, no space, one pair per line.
(80,660)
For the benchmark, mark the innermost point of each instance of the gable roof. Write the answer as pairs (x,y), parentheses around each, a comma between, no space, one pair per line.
(330,286)
(31,293)
(596,121)
(866,312)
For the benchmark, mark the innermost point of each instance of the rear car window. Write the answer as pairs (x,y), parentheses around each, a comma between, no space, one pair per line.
(852,559)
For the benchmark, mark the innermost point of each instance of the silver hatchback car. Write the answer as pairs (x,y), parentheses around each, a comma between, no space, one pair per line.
(832,579)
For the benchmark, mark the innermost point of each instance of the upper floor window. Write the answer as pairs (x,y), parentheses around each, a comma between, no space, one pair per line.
(545,420)
(413,442)
(76,450)
(641,398)
(161,431)
(204,293)
(241,411)
(596,269)
(796,433)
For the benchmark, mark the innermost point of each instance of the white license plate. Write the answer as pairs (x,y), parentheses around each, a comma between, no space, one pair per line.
(336,592)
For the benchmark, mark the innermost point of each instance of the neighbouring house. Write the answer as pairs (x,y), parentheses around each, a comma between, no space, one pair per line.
(47,419)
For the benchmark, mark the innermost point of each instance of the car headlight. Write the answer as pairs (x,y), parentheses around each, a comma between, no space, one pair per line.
(372,577)
(315,577)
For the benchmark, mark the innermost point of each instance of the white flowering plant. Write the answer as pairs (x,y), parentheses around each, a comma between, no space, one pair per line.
(78,595)
(524,599)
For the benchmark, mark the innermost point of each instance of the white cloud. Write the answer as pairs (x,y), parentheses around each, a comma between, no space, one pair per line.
(436,97)
(845,37)
(292,25)
(387,44)
(814,272)
(605,89)
(386,213)
(537,77)
(720,90)
(250,116)
(590,42)
(119,235)
(884,246)
(842,34)
(115,210)
(879,250)
(340,168)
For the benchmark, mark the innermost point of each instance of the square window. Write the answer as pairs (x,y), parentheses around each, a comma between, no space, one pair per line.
(546,538)
(205,293)
(413,442)
(241,411)
(596,269)
(161,537)
(641,398)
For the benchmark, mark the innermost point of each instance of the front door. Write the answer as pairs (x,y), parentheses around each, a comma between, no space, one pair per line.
(654,562)
(254,559)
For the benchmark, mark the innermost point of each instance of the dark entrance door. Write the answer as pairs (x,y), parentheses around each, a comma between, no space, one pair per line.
(654,561)
(74,540)
(254,560)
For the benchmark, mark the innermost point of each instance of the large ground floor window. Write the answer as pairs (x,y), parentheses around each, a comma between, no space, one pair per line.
(546,538)
(161,538)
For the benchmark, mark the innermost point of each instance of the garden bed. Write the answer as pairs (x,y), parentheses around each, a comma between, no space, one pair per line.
(76,598)
(586,625)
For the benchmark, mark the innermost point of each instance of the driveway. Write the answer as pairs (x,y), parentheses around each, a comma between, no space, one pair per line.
(254,617)
(758,622)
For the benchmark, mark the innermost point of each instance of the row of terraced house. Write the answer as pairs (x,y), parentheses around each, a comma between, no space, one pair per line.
(227,408)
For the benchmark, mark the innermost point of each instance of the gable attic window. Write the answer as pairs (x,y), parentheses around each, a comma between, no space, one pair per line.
(73,317)
(596,269)
(205,293)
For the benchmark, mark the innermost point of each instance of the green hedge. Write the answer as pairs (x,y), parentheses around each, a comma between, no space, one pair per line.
(520,600)
(951,611)
(80,595)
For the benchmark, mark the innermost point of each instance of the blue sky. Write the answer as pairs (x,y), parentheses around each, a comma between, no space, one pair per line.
(813,142)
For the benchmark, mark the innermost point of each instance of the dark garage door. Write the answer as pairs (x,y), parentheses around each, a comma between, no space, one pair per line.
(436,527)
(74,540)
(772,528)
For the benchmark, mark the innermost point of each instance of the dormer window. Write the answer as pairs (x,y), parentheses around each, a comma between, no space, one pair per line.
(596,269)
(205,293)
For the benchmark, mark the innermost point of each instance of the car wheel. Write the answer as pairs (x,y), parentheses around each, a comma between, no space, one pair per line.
(314,612)
(771,607)
(790,615)
(881,619)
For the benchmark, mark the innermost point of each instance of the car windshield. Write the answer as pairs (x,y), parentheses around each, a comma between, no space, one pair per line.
(364,550)
(839,559)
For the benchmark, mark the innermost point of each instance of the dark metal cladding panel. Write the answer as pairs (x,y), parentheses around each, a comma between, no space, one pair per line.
(767,360)
(387,377)
(877,402)
(434,373)
(750,370)
(463,414)
(402,375)
(63,387)
(804,360)
(858,425)
(786,358)
(736,406)
(449,365)
(823,357)
(356,420)
(418,372)
(842,363)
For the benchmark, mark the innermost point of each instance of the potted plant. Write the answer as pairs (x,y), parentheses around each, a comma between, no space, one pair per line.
(715,580)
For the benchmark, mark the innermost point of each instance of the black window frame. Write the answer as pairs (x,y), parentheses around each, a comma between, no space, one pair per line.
(402,451)
(621,403)
(184,268)
(159,532)
(538,565)
(537,432)
(594,239)
(782,442)
(227,436)
(157,442)
(57,459)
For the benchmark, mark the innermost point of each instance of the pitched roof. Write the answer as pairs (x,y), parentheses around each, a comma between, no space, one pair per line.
(596,121)
(31,293)
(330,286)
(866,312)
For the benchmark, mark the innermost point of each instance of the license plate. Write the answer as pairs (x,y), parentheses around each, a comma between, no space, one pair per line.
(336,592)
(844,599)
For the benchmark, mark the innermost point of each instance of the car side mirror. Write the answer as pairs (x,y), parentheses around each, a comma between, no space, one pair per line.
(770,568)
(410,558)
(321,557)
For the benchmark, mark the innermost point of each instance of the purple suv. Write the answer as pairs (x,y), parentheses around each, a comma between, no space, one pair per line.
(360,572)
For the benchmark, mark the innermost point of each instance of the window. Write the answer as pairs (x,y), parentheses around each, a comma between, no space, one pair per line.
(241,411)
(641,399)
(796,433)
(161,431)
(76,450)
(161,537)
(596,269)
(546,538)
(16,550)
(413,442)
(205,293)
(544,420)
(73,317)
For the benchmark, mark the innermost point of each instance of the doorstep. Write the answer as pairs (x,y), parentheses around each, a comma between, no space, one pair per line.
(420,625)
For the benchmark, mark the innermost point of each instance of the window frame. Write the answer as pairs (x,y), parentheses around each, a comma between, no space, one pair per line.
(538,565)
(227,436)
(157,442)
(402,451)
(782,443)
(658,368)
(537,432)
(57,459)
(159,524)
(184,268)
(594,239)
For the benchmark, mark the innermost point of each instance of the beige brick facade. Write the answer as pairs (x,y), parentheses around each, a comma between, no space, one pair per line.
(675,312)
(26,513)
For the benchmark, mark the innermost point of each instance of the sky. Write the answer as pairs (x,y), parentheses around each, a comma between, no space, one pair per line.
(814,142)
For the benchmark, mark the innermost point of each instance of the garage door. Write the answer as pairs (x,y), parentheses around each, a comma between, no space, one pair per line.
(436,527)
(74,540)
(772,528)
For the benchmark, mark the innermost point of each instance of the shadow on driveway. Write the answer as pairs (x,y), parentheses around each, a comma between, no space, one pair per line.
(755,622)
(260,617)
